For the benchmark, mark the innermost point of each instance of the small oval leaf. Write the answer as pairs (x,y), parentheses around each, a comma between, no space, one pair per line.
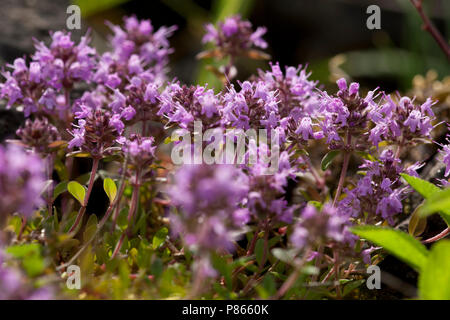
(160,237)
(417,224)
(328,159)
(77,190)
(60,188)
(110,188)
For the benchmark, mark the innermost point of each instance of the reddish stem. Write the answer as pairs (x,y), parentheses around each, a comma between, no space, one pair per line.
(441,235)
(344,169)
(134,201)
(88,193)
(429,26)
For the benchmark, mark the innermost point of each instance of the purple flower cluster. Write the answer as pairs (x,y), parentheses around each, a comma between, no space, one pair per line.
(446,159)
(379,193)
(97,131)
(266,200)
(141,154)
(63,63)
(403,122)
(297,95)
(182,105)
(234,36)
(345,114)
(255,106)
(137,49)
(38,135)
(138,101)
(209,198)
(326,225)
(37,86)
(23,86)
(21,182)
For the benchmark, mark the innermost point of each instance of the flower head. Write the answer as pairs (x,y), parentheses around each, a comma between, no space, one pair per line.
(182,105)
(321,226)
(97,131)
(379,193)
(137,48)
(21,181)
(208,197)
(234,35)
(38,135)
(402,122)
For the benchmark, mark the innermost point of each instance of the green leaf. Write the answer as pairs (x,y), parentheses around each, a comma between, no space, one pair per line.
(328,159)
(160,237)
(259,251)
(221,264)
(84,178)
(55,220)
(60,188)
(157,268)
(267,288)
(91,227)
(34,265)
(425,188)
(16,223)
(89,8)
(438,202)
(352,285)
(169,140)
(110,188)
(30,254)
(77,190)
(24,250)
(122,220)
(61,170)
(398,243)
(434,280)
(417,224)
(284,255)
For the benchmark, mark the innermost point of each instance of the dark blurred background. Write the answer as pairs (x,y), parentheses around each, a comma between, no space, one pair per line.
(329,35)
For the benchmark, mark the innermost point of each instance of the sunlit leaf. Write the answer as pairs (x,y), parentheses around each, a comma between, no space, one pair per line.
(328,159)
(398,243)
(160,237)
(434,280)
(110,188)
(77,190)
